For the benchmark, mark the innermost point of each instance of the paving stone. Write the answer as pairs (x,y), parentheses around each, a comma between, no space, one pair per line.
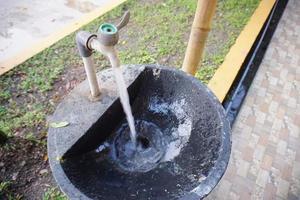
(281,147)
(296,169)
(262,178)
(259,152)
(258,193)
(292,197)
(297,155)
(263,140)
(286,173)
(242,187)
(233,196)
(265,160)
(284,134)
(270,191)
(251,120)
(248,153)
(224,189)
(251,176)
(253,140)
(242,168)
(278,162)
(283,188)
(271,147)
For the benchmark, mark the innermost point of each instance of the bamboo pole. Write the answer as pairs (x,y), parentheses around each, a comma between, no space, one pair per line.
(200,29)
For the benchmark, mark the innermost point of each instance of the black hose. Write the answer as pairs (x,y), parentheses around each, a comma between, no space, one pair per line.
(251,59)
(242,82)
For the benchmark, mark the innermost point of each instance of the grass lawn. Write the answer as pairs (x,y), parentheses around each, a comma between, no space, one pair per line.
(157,33)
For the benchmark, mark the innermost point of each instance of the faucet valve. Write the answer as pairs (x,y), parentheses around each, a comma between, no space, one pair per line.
(104,41)
(108,34)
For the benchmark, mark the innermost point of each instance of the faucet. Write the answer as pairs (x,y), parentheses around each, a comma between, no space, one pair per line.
(103,41)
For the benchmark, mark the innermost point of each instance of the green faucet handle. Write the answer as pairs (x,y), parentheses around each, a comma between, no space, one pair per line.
(108,34)
(108,28)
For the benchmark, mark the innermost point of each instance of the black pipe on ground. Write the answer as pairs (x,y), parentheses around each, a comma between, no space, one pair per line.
(241,85)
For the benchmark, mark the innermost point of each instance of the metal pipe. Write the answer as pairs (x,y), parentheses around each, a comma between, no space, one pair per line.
(91,75)
(83,39)
(200,29)
(104,42)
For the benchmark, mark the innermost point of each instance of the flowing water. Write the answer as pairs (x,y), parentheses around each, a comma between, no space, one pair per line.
(124,97)
(111,53)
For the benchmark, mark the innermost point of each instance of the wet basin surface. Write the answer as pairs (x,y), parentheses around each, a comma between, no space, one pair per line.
(183,141)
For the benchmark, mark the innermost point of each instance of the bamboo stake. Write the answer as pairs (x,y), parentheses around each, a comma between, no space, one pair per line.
(200,29)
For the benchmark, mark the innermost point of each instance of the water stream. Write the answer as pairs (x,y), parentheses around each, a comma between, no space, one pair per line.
(143,152)
(124,97)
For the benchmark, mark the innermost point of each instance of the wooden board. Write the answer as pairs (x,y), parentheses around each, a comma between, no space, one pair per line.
(226,73)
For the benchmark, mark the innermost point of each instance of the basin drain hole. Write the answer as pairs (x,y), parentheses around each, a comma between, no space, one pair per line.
(144,142)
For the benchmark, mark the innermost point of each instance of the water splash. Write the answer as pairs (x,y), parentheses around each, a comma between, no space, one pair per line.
(180,134)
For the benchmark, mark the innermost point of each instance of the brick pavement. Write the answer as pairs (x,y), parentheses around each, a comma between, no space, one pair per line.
(265,158)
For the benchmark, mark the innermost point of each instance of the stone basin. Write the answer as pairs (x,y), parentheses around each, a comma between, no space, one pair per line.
(183,134)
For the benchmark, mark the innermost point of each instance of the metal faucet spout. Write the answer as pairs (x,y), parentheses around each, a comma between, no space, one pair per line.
(104,41)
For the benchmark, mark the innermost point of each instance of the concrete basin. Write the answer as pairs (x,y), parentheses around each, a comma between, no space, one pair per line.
(182,129)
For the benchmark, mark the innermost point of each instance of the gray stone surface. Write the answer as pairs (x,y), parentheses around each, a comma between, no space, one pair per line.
(81,112)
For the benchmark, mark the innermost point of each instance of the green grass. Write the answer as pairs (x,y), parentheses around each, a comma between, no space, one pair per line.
(231,17)
(5,192)
(157,33)
(4,187)
(16,117)
(54,194)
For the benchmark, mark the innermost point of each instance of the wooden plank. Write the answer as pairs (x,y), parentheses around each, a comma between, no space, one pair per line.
(226,73)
